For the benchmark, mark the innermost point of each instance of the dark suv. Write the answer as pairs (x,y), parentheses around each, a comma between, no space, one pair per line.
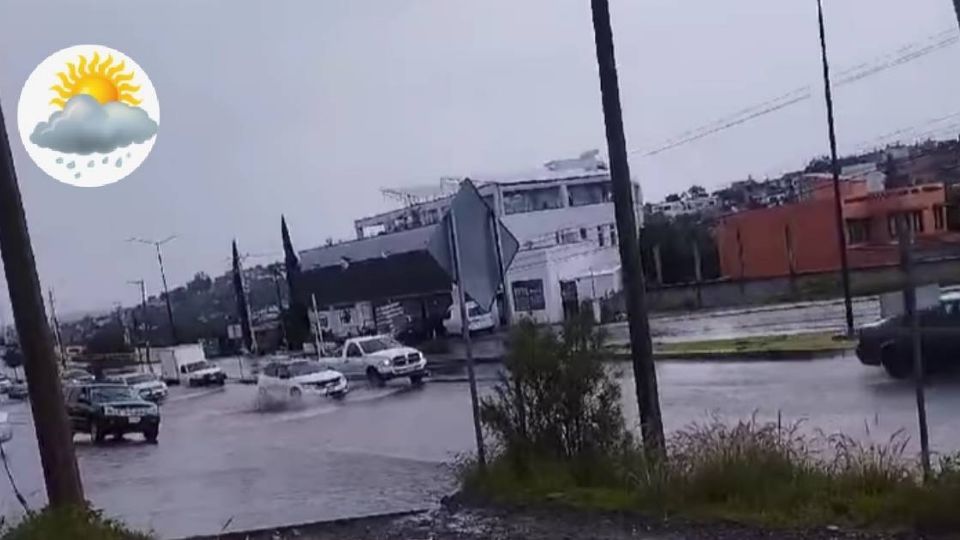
(111,409)
(887,342)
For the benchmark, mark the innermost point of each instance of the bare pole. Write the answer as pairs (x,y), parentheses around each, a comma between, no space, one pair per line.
(956,8)
(318,332)
(641,349)
(465,329)
(56,328)
(54,437)
(905,239)
(835,169)
(144,328)
(163,278)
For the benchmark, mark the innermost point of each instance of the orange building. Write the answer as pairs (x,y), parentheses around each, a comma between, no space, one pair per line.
(801,237)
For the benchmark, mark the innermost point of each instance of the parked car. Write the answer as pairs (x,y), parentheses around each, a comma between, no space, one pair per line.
(281,379)
(885,342)
(147,385)
(103,409)
(76,376)
(480,319)
(18,391)
(379,359)
(188,365)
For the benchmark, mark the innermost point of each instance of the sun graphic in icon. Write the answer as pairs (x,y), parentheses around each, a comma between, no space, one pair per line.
(88,115)
(104,81)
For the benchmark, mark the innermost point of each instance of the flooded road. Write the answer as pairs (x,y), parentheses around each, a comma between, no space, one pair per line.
(221,464)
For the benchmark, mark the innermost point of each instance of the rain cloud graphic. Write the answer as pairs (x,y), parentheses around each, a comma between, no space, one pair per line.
(84,126)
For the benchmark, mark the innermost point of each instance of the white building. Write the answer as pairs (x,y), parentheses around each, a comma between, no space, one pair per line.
(687,205)
(562,214)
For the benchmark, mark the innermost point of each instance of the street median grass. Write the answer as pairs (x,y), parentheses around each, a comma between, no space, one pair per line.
(805,344)
(751,473)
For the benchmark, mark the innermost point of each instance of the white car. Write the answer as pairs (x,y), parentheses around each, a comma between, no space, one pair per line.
(480,319)
(146,385)
(379,359)
(291,379)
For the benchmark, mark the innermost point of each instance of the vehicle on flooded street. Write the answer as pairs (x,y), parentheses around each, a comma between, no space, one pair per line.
(147,385)
(187,365)
(888,343)
(283,379)
(480,319)
(379,359)
(103,410)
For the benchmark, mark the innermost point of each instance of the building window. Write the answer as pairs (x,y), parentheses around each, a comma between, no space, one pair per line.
(613,235)
(914,221)
(583,233)
(528,295)
(532,200)
(939,218)
(600,237)
(858,231)
(586,194)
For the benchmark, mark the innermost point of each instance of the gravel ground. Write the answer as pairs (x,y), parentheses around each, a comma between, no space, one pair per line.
(451,523)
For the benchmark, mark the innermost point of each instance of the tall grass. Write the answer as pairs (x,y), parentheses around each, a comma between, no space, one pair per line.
(70,523)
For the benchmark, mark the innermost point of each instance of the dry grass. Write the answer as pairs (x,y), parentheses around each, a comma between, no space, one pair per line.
(808,342)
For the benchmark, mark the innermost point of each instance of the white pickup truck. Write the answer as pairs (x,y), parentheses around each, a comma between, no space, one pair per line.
(379,359)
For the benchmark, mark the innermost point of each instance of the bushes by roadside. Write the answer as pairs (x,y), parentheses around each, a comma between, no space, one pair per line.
(70,524)
(560,438)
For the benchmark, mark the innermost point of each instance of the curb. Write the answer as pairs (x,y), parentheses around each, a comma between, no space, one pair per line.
(731,356)
(272,531)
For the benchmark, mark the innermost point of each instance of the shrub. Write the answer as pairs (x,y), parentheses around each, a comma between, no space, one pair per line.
(70,523)
(555,399)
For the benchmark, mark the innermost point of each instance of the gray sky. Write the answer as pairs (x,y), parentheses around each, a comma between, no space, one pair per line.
(308,107)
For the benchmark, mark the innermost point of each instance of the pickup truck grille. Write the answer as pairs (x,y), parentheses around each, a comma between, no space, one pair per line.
(411,358)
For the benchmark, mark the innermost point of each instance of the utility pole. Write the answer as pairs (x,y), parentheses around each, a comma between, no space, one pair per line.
(163,277)
(56,329)
(956,8)
(641,349)
(145,329)
(905,239)
(283,322)
(835,168)
(54,437)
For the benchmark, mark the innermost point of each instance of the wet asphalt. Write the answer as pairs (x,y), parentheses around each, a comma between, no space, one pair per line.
(223,465)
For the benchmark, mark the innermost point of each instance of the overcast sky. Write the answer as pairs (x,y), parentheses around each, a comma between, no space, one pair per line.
(308,107)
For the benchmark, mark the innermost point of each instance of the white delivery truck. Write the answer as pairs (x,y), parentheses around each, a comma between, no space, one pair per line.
(187,365)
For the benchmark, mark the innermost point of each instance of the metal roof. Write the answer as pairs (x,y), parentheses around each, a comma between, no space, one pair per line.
(374,247)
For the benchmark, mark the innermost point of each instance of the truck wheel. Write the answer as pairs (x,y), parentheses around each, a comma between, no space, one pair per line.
(899,366)
(97,435)
(151,435)
(374,378)
(416,380)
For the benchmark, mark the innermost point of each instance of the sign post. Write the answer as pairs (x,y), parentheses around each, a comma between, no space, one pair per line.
(475,249)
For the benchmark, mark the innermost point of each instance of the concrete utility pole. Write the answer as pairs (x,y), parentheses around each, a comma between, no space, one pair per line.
(144,328)
(835,168)
(641,349)
(163,277)
(54,437)
(956,8)
(912,321)
(56,328)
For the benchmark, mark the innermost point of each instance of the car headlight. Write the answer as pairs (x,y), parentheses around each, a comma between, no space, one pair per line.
(385,362)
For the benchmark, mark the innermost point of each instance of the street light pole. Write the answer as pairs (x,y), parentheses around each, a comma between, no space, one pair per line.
(144,327)
(54,435)
(835,168)
(641,348)
(163,278)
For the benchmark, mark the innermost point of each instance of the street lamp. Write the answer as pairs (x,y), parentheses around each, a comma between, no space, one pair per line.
(163,277)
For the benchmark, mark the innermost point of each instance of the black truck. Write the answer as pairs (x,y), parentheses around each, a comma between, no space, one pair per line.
(888,343)
(111,409)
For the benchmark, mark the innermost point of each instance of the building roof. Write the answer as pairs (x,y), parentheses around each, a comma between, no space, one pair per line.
(367,248)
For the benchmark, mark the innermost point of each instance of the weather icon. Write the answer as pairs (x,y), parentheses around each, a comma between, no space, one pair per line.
(88,115)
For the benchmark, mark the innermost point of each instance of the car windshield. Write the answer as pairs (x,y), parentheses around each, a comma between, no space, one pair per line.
(197,366)
(305,368)
(476,311)
(377,344)
(140,378)
(107,394)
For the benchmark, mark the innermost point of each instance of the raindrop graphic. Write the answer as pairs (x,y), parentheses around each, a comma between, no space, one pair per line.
(72,164)
(77,175)
(119,162)
(59,160)
(105,160)
(90,163)
(128,154)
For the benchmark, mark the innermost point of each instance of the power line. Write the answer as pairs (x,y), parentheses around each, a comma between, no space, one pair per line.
(901,56)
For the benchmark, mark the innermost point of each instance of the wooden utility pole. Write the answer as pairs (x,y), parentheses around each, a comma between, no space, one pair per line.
(912,323)
(163,277)
(835,169)
(144,328)
(956,8)
(54,437)
(641,349)
(56,328)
